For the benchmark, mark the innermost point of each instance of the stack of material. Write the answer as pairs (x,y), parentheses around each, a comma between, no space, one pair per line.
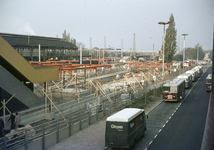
(21,131)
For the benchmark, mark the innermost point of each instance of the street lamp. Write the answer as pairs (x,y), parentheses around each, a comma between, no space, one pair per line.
(163,23)
(184,48)
(197,54)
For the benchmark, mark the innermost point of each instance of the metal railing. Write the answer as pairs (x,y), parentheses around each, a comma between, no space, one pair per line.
(24,137)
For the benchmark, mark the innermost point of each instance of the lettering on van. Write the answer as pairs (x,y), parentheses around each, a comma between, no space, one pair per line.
(116,127)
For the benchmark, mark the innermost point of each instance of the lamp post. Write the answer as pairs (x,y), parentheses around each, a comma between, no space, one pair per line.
(163,23)
(197,54)
(184,48)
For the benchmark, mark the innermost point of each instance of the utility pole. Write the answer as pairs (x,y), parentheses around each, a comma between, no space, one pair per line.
(90,46)
(130,54)
(163,23)
(153,52)
(104,46)
(134,45)
(122,48)
(197,54)
(184,48)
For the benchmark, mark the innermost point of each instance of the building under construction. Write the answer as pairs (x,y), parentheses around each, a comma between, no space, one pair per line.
(53,89)
(27,84)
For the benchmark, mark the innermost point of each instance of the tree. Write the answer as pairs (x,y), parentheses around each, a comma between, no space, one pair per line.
(170,41)
(178,57)
(191,53)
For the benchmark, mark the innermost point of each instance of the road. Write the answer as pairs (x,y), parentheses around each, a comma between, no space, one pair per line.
(185,128)
(171,125)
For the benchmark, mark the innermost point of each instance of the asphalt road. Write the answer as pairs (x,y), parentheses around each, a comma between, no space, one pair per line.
(184,130)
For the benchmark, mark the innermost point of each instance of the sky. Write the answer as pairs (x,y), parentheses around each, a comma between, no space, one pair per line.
(116,20)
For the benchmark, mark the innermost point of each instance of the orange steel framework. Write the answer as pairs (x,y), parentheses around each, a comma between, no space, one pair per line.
(66,65)
(151,65)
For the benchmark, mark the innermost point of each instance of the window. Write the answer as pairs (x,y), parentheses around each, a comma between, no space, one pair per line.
(209,80)
(166,89)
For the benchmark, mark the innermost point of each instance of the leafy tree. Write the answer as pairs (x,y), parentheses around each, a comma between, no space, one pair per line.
(178,57)
(191,53)
(170,41)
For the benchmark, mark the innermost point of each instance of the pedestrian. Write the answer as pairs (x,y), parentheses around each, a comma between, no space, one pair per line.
(1,127)
(183,95)
(12,118)
(17,121)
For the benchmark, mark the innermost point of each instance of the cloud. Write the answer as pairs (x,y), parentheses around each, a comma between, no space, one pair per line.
(26,28)
(21,26)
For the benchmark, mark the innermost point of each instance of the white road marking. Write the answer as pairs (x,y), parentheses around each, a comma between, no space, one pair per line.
(172,113)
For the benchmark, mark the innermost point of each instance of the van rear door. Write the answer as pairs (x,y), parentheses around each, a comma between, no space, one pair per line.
(116,134)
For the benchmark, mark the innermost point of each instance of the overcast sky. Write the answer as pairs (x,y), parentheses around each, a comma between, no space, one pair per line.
(115,19)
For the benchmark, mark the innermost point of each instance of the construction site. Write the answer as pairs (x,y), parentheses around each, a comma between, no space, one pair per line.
(57,98)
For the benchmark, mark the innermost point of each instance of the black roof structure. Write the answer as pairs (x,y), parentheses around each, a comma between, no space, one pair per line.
(31,41)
